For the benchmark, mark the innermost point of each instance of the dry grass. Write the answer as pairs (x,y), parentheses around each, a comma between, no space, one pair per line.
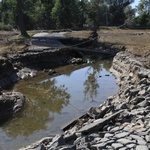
(7,41)
(135,41)
(12,41)
(79,34)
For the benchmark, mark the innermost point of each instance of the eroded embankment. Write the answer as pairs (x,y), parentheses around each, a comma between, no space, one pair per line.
(23,65)
(122,122)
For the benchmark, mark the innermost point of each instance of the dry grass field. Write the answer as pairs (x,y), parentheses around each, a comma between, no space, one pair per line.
(11,41)
(135,41)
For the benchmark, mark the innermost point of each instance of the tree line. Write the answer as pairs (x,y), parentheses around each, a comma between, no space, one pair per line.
(73,14)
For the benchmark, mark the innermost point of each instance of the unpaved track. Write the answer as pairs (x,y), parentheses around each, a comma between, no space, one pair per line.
(47,39)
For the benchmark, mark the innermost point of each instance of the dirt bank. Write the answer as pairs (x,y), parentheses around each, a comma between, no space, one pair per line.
(42,53)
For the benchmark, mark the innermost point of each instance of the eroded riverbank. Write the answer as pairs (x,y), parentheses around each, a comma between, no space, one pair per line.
(119,117)
(121,122)
(54,101)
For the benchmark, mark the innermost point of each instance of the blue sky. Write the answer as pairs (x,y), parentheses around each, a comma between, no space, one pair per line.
(136,2)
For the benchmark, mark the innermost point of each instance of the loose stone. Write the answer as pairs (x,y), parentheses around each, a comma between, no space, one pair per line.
(121,135)
(141,147)
(125,141)
(117,145)
(147,137)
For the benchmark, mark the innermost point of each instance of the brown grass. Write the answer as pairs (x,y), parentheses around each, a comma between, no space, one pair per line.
(12,41)
(135,41)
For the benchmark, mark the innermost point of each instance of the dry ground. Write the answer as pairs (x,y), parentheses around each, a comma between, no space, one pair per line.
(11,41)
(6,40)
(136,41)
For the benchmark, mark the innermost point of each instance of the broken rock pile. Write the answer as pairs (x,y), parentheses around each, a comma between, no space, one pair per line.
(10,104)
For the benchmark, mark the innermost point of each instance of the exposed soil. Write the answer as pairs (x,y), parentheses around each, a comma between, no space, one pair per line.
(135,41)
(11,41)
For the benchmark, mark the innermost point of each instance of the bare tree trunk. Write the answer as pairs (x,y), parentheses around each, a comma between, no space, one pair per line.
(20,19)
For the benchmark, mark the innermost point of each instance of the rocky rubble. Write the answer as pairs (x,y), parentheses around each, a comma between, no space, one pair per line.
(10,104)
(7,72)
(122,122)
(41,58)
(26,64)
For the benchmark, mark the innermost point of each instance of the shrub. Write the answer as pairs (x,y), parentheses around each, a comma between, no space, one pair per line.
(7,27)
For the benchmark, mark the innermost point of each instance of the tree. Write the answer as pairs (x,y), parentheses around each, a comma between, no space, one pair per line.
(144,7)
(143,19)
(104,12)
(20,18)
(82,13)
(39,14)
(97,13)
(7,12)
(65,13)
(116,10)
(52,14)
(47,6)
(130,16)
(13,14)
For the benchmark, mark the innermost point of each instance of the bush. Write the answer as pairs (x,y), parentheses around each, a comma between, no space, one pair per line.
(7,27)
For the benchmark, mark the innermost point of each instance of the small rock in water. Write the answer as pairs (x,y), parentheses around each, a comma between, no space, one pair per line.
(107,75)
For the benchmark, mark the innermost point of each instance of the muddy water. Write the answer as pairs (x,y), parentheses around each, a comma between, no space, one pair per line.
(54,101)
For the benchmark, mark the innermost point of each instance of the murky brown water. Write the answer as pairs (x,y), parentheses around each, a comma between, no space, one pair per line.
(56,101)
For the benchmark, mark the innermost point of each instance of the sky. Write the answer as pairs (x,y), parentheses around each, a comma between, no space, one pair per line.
(136,2)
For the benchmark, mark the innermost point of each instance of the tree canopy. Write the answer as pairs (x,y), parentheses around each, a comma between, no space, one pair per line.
(73,14)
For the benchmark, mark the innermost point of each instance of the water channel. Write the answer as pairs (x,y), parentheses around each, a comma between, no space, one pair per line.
(55,101)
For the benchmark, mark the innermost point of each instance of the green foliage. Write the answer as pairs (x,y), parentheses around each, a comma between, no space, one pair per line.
(65,13)
(116,11)
(58,14)
(7,12)
(130,16)
(97,13)
(144,7)
(7,27)
(143,20)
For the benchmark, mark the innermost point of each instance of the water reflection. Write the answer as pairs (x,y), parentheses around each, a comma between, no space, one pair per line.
(91,85)
(55,101)
(45,99)
(107,64)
